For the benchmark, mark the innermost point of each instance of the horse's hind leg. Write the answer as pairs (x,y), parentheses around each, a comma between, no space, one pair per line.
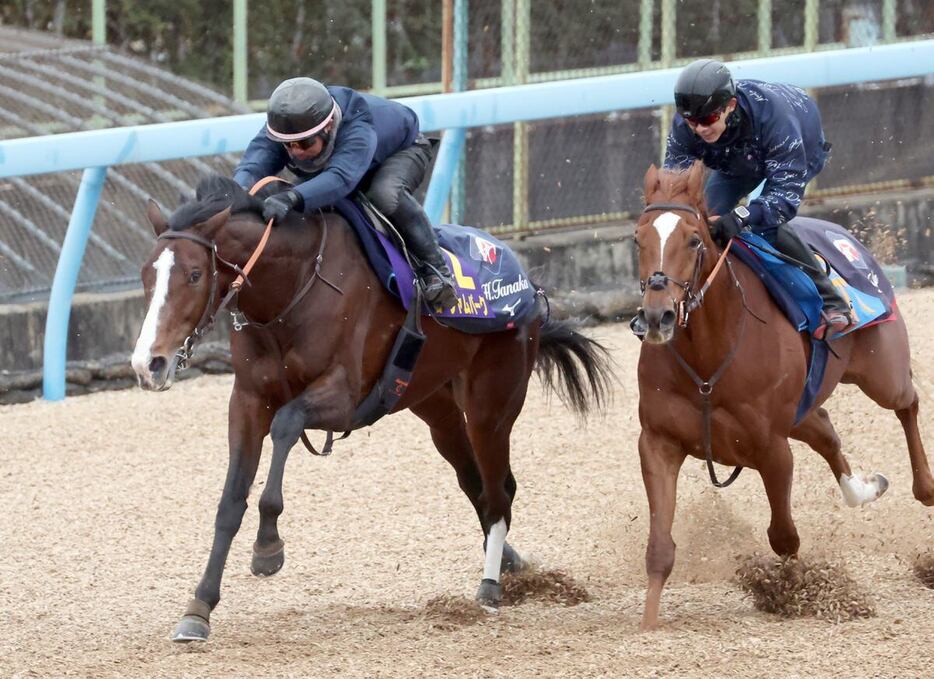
(922,484)
(493,392)
(880,366)
(817,431)
(248,424)
(776,469)
(449,434)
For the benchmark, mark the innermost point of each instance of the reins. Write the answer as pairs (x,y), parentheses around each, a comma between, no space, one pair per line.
(239,319)
(685,307)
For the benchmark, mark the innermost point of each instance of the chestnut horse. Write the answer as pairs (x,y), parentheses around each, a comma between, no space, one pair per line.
(749,364)
(321,327)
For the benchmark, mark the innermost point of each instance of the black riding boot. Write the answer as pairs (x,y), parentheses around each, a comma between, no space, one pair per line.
(836,311)
(433,272)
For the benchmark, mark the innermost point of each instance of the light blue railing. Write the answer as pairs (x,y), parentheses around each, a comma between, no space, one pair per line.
(95,151)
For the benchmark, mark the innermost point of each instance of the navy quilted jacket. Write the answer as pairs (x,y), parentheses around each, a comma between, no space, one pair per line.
(372,129)
(777,137)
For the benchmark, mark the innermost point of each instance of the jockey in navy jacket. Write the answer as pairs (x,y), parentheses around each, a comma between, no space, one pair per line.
(747,132)
(371,130)
(775,134)
(338,141)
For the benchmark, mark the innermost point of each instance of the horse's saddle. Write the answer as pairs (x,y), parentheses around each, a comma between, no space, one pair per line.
(493,291)
(851,268)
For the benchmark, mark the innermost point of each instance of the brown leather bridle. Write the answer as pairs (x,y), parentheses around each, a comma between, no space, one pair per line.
(183,355)
(691,301)
(660,280)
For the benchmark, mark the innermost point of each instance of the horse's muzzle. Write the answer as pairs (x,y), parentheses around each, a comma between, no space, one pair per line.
(158,375)
(655,325)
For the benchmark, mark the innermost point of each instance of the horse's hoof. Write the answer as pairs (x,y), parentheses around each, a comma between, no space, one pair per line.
(882,484)
(265,564)
(490,594)
(858,492)
(191,628)
(924,493)
(512,562)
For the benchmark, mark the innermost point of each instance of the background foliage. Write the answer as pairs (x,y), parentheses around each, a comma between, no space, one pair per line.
(330,39)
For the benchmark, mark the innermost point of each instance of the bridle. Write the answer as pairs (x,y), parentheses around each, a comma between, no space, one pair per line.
(183,355)
(208,316)
(240,321)
(691,301)
(660,280)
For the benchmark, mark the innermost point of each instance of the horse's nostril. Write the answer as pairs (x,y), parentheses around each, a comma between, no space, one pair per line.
(157,365)
(668,318)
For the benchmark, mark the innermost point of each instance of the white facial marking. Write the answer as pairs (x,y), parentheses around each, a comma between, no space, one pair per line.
(142,354)
(665,223)
(494,550)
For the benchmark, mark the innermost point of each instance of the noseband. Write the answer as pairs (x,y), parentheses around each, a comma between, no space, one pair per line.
(183,355)
(660,280)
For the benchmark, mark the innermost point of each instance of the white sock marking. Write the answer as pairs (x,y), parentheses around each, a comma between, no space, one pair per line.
(665,224)
(857,492)
(494,550)
(142,354)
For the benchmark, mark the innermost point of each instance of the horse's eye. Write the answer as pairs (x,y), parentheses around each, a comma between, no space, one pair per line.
(694,242)
(194,277)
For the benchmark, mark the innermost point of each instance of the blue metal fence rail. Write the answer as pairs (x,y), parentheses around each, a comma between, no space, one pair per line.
(95,151)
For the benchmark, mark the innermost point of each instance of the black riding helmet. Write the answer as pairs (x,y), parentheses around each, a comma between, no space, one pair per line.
(704,87)
(299,108)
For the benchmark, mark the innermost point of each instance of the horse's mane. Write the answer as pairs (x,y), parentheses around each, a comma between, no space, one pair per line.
(674,183)
(213,194)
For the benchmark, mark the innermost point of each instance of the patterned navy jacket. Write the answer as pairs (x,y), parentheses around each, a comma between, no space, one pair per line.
(371,130)
(777,136)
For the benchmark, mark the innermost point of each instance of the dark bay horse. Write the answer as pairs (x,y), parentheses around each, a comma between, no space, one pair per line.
(738,341)
(328,350)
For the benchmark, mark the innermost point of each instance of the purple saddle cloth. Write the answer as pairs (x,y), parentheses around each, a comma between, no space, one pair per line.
(493,291)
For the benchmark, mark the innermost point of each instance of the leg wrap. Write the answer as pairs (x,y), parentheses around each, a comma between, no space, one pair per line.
(198,608)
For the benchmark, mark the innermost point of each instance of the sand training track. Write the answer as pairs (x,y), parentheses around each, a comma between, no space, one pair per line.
(108,514)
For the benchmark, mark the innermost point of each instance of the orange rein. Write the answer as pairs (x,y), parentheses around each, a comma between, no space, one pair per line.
(238,281)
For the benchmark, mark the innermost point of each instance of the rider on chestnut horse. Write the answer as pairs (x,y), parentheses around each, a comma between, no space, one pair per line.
(747,132)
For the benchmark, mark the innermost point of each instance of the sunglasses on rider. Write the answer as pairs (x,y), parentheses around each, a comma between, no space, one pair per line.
(303,144)
(704,121)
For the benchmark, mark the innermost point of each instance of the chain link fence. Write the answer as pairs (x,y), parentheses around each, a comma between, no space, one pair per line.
(517,178)
(585,170)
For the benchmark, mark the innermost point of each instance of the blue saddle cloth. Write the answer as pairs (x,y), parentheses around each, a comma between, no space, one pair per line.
(853,270)
(493,291)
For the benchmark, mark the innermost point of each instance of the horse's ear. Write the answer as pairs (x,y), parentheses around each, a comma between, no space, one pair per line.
(696,181)
(217,221)
(156,218)
(651,182)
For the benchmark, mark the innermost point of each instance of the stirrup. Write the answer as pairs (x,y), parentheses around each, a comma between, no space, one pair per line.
(438,292)
(833,323)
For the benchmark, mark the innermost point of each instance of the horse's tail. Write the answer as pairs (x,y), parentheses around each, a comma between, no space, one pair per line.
(585,382)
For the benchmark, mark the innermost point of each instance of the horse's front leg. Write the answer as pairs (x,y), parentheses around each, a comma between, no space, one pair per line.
(326,404)
(661,460)
(248,423)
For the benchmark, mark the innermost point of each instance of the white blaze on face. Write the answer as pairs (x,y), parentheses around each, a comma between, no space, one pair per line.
(142,354)
(665,224)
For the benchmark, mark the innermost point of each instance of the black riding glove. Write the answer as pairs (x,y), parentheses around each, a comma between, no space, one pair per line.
(729,225)
(278,206)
